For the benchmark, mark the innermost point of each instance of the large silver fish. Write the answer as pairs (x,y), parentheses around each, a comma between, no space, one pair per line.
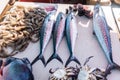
(102,32)
(45,35)
(58,33)
(71,35)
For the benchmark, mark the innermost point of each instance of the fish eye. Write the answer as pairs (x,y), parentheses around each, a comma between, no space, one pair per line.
(61,17)
(48,19)
(72,17)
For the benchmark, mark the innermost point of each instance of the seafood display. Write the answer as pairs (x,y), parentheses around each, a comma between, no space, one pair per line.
(71,35)
(22,26)
(102,32)
(18,27)
(80,10)
(15,69)
(45,35)
(58,33)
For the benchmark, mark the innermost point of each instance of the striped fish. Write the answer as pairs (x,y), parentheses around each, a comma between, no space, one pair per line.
(45,35)
(102,32)
(71,35)
(58,33)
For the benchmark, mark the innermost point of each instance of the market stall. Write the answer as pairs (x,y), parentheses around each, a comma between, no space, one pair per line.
(86,45)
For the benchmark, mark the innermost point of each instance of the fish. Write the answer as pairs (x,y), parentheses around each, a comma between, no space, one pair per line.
(58,34)
(16,69)
(45,36)
(102,32)
(71,36)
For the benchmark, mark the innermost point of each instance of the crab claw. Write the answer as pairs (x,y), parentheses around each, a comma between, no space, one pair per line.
(87,60)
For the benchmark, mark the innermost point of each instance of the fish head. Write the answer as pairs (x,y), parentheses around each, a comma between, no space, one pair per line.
(71,16)
(50,17)
(96,8)
(60,16)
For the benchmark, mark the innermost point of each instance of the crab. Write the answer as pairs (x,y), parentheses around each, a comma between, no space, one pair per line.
(69,73)
(15,69)
(88,73)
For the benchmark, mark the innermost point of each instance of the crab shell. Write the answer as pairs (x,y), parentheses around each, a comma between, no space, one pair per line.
(15,69)
(64,74)
(86,73)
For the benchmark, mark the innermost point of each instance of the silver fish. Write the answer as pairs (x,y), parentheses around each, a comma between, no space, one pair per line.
(58,33)
(102,32)
(71,35)
(45,35)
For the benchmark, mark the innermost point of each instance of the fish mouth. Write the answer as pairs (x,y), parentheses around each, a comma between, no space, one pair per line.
(96,8)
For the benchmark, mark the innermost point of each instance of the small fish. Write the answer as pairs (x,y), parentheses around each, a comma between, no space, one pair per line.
(71,35)
(15,69)
(58,33)
(102,32)
(45,35)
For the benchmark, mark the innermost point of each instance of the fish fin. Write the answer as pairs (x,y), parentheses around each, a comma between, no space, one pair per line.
(39,57)
(110,28)
(111,67)
(72,58)
(54,56)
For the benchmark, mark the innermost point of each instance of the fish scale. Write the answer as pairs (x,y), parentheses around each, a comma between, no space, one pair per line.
(104,33)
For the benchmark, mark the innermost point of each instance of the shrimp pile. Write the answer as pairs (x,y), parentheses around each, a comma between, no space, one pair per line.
(18,27)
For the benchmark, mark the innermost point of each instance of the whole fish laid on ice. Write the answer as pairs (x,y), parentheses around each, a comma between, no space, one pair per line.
(71,35)
(45,35)
(58,33)
(102,32)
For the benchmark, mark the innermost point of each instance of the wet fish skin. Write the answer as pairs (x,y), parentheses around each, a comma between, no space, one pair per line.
(71,35)
(16,69)
(45,35)
(102,32)
(58,34)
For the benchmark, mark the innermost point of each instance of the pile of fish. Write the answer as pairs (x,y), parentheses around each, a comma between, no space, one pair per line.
(18,27)
(62,24)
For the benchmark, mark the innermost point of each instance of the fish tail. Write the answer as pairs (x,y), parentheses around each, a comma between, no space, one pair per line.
(72,58)
(111,67)
(54,56)
(39,57)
